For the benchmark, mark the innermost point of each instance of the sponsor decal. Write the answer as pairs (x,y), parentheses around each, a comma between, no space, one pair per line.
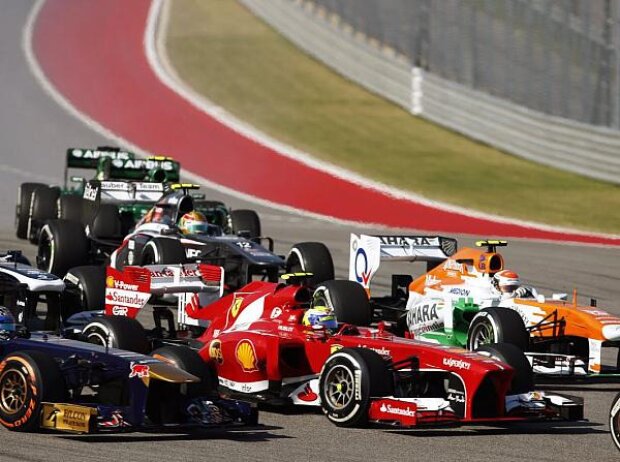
(307,394)
(615,409)
(132,300)
(96,154)
(456,397)
(192,253)
(276,312)
(292,318)
(357,386)
(215,352)
(90,192)
(286,328)
(423,313)
(460,292)
(430,280)
(115,186)
(168,273)
(382,351)
(246,356)
(402,241)
(139,370)
(456,363)
(235,306)
(119,310)
(362,271)
(452,265)
(146,164)
(394,410)
(66,417)
(109,281)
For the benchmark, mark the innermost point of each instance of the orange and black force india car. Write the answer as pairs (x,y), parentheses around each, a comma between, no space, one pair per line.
(460,301)
(262,346)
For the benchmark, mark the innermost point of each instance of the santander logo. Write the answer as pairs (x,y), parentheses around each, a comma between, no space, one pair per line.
(307,395)
(404,411)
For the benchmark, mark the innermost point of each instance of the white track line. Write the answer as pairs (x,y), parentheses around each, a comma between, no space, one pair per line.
(156,55)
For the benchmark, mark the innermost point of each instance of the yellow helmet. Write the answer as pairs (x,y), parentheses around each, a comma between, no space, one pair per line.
(193,223)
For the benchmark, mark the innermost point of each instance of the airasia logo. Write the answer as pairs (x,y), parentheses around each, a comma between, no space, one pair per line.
(389,409)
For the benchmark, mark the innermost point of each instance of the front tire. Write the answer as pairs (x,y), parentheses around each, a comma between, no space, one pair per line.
(117,332)
(497,325)
(163,251)
(523,380)
(62,245)
(311,257)
(614,420)
(22,210)
(348,299)
(27,379)
(89,288)
(350,377)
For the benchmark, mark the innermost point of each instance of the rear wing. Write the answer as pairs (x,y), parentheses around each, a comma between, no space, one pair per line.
(122,192)
(158,169)
(89,158)
(367,252)
(128,290)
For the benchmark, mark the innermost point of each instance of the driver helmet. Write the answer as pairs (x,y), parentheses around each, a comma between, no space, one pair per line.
(7,323)
(193,223)
(318,316)
(506,281)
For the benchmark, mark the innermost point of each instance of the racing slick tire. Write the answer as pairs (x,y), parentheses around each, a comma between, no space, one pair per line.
(523,380)
(166,400)
(311,257)
(190,361)
(22,210)
(43,207)
(70,207)
(27,379)
(117,332)
(245,222)
(86,285)
(497,325)
(614,420)
(348,299)
(349,378)
(163,251)
(62,245)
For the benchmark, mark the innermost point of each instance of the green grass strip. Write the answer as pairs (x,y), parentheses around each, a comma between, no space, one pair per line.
(224,52)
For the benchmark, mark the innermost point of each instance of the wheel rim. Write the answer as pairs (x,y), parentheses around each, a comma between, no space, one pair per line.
(45,253)
(97,337)
(339,387)
(13,391)
(482,334)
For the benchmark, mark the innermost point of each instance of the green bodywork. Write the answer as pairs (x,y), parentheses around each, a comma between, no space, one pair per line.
(463,311)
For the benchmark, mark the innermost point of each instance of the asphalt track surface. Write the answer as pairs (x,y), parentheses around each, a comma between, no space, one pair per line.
(35,131)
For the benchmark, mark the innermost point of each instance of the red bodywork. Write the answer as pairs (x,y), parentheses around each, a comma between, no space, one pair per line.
(257,344)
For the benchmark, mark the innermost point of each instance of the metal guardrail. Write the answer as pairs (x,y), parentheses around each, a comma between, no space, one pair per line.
(585,149)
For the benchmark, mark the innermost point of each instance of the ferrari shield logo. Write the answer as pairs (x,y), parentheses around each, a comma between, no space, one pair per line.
(236,305)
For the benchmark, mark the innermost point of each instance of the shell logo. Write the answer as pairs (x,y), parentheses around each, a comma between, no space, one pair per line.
(215,351)
(109,281)
(246,356)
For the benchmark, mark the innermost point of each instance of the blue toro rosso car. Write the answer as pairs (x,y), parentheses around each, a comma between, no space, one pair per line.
(51,381)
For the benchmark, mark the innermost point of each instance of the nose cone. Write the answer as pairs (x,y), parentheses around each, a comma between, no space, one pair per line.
(612,332)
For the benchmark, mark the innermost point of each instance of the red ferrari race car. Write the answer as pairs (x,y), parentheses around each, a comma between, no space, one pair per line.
(267,344)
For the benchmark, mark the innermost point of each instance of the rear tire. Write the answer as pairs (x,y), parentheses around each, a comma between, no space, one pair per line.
(347,298)
(89,284)
(117,332)
(163,251)
(614,420)
(523,380)
(70,208)
(62,245)
(246,222)
(338,383)
(22,210)
(43,207)
(311,257)
(497,325)
(190,361)
(27,379)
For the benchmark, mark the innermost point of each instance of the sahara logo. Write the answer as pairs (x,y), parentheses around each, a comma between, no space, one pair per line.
(215,352)
(246,356)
